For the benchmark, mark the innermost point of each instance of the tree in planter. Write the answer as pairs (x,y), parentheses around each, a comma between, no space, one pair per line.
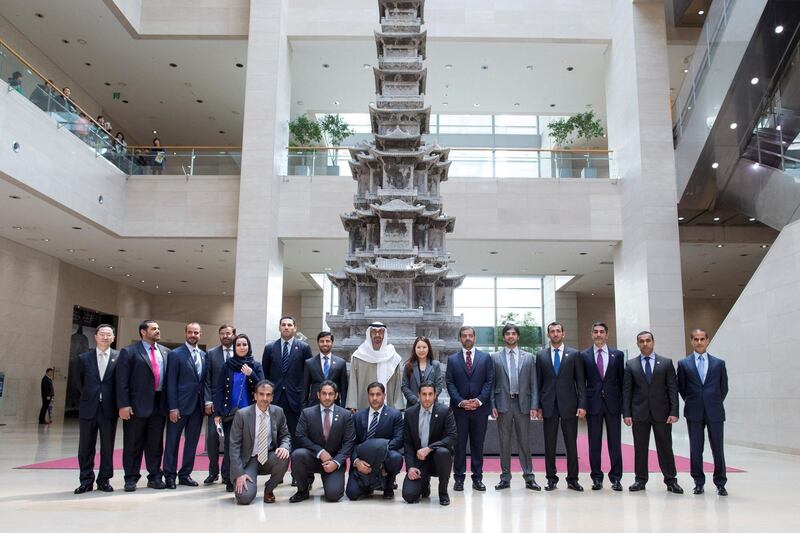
(587,126)
(560,131)
(335,129)
(304,132)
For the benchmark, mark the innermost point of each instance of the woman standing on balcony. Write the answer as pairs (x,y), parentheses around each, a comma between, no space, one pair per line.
(158,157)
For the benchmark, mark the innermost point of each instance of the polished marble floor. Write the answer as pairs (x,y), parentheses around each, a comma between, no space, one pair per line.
(762,498)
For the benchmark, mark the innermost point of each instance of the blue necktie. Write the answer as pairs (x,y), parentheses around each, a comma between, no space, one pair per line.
(325,366)
(701,368)
(285,358)
(373,426)
(556,361)
(648,371)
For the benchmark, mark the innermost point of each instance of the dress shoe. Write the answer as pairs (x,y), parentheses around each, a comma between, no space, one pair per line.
(444,498)
(458,486)
(84,487)
(502,485)
(479,486)
(426,492)
(104,486)
(228,487)
(597,485)
(674,488)
(388,494)
(698,489)
(187,482)
(721,491)
(574,485)
(130,486)
(616,486)
(158,484)
(637,486)
(298,496)
(532,485)
(551,485)
(268,497)
(210,480)
(170,484)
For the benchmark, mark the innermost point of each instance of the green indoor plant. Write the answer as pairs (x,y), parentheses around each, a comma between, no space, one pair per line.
(304,132)
(560,131)
(335,129)
(587,126)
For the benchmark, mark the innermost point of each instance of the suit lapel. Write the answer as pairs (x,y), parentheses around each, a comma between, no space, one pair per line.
(637,368)
(112,360)
(144,355)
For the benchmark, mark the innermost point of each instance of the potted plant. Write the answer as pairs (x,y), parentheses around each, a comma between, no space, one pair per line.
(335,129)
(587,126)
(303,132)
(560,131)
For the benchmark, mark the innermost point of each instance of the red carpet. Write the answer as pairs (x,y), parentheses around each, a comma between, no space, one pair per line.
(490,464)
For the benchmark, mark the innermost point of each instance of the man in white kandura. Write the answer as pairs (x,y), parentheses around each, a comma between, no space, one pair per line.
(375,360)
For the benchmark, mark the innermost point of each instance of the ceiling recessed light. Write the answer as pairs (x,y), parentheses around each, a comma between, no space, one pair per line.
(184,281)
(327,269)
(476,104)
(445,104)
(592,294)
(583,253)
(734,125)
(336,102)
(81,41)
(686,71)
(715,165)
(110,267)
(171,251)
(563,270)
(314,251)
(77,227)
(221,132)
(88,64)
(529,67)
(92,259)
(239,65)
(142,281)
(552,105)
(716,219)
(156,268)
(71,250)
(570,69)
(199,101)
(448,66)
(124,101)
(14,197)
(701,12)
(325,65)
(39,15)
(173,65)
(484,270)
(680,218)
(107,84)
(516,104)
(156,285)
(367,66)
(45,240)
(753,81)
(765,245)
(155,132)
(226,251)
(720,246)
(123,250)
(713,295)
(778,29)
(744,255)
(484,67)
(65,41)
(169,292)
(16,227)
(751,219)
(493,253)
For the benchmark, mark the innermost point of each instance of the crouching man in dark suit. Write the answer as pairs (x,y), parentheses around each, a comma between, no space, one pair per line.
(259,444)
(429,435)
(323,442)
(377,452)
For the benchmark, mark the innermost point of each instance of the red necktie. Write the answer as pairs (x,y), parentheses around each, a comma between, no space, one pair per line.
(469,362)
(156,371)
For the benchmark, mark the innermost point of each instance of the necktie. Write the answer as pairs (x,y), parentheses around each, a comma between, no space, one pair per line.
(512,369)
(648,371)
(424,428)
(469,362)
(263,439)
(103,364)
(285,358)
(325,366)
(556,361)
(227,353)
(326,426)
(600,364)
(701,368)
(156,370)
(373,425)
(197,365)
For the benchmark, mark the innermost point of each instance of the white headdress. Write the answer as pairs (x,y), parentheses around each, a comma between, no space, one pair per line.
(385,357)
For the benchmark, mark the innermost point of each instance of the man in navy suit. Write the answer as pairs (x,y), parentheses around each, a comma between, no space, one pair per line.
(97,411)
(604,368)
(703,385)
(377,451)
(215,365)
(185,393)
(562,400)
(324,366)
(470,378)
(141,381)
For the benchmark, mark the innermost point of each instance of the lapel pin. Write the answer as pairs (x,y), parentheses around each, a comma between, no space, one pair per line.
(435,416)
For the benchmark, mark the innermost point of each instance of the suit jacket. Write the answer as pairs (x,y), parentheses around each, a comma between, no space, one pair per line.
(390,427)
(313,376)
(215,360)
(646,402)
(606,391)
(185,389)
(93,385)
(442,432)
(564,393)
(410,387)
(136,382)
(703,401)
(243,436)
(461,386)
(528,387)
(289,387)
(47,388)
(341,438)
(224,405)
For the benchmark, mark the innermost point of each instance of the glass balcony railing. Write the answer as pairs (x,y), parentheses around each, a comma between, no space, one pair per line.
(180,160)
(474,163)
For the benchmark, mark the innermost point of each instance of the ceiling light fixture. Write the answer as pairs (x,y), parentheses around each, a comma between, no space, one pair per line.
(448,66)
(493,253)
(570,69)
(110,267)
(39,15)
(71,250)
(326,65)
(173,65)
(199,101)
(720,246)
(444,104)
(128,275)
(200,268)
(778,29)
(77,227)
(107,84)
(476,104)
(45,240)
(336,102)
(701,12)
(171,251)
(155,132)
(92,259)
(680,219)
(239,65)
(751,219)
(529,67)
(516,104)
(123,250)
(88,64)
(64,41)
(715,165)
(753,81)
(686,71)
(716,219)
(484,67)
(16,227)
(765,245)
(734,125)
(367,66)
(14,197)
(552,105)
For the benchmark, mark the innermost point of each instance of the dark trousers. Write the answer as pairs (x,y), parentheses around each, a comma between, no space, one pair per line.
(641,446)
(305,464)
(471,425)
(212,446)
(87,445)
(438,464)
(359,485)
(614,440)
(696,444)
(189,426)
(226,457)
(143,436)
(43,411)
(569,430)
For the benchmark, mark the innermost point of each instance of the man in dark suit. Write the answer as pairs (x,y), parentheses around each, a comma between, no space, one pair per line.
(377,450)
(48,392)
(215,362)
(140,381)
(650,401)
(429,436)
(562,400)
(259,444)
(469,378)
(97,411)
(604,368)
(185,387)
(322,444)
(324,366)
(703,384)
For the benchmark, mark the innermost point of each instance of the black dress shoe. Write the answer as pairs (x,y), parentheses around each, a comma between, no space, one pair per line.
(169,483)
(698,489)
(616,485)
(721,491)
(426,492)
(298,496)
(104,486)
(674,488)
(551,485)
(228,487)
(130,486)
(388,494)
(158,484)
(444,498)
(83,488)
(637,486)
(597,485)
(458,486)
(574,485)
(187,482)
(479,486)
(532,485)
(210,480)
(502,485)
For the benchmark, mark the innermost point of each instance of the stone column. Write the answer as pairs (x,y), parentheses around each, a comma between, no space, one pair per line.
(647,267)
(559,306)
(259,253)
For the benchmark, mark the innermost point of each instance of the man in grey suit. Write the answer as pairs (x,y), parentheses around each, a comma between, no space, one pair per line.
(514,402)
(215,362)
(259,444)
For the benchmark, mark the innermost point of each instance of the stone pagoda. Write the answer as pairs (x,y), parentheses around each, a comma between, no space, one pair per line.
(396,269)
